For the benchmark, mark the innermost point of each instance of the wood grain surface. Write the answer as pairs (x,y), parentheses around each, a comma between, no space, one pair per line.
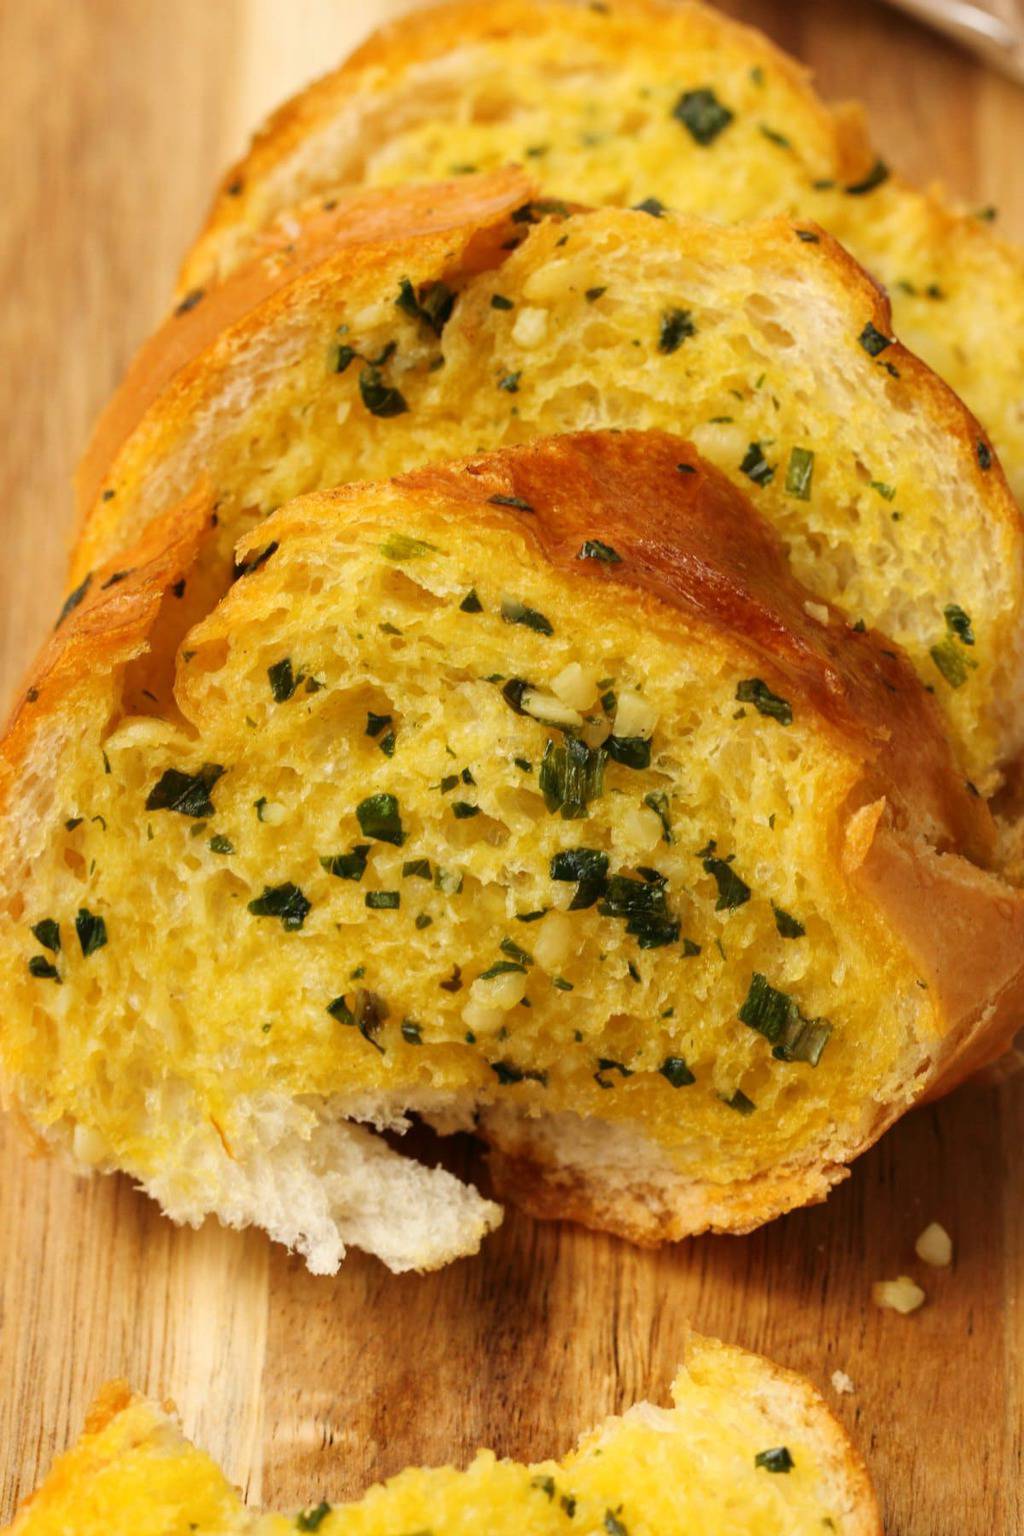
(114,117)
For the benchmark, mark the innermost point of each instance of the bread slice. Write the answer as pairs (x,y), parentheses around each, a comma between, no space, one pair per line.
(767,345)
(745,1446)
(631,100)
(532,794)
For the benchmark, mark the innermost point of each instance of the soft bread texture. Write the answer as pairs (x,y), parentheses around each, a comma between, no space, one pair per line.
(337,860)
(587,97)
(670,1471)
(766,344)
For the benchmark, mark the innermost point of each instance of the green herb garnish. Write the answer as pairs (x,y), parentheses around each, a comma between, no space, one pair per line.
(515,612)
(347,866)
(788,927)
(702,114)
(732,891)
(43,969)
(752,690)
(642,903)
(676,325)
(675,1072)
(594,549)
(873,341)
(186,793)
(399,546)
(471,603)
(379,398)
(91,930)
(48,933)
(383,901)
(431,303)
(799,473)
(755,466)
(379,817)
(570,777)
(777,1459)
(630,751)
(282,680)
(310,1519)
(285,902)
(776,1016)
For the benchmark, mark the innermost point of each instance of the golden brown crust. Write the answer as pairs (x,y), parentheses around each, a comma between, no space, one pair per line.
(436,30)
(107,626)
(281,254)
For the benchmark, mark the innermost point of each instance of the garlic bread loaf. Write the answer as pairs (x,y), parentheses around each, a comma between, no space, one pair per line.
(746,1446)
(640,101)
(766,345)
(532,794)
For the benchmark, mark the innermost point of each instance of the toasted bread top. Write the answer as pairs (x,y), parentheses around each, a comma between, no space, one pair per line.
(630,100)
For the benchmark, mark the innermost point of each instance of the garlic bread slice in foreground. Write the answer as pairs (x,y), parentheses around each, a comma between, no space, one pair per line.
(532,794)
(746,1446)
(767,345)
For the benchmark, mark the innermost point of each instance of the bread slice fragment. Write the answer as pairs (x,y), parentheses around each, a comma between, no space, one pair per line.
(633,101)
(746,1446)
(766,345)
(531,794)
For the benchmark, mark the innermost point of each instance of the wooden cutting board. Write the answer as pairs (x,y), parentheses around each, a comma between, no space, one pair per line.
(116,114)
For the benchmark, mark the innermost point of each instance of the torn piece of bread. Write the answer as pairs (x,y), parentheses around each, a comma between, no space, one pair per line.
(533,794)
(746,1446)
(767,345)
(633,101)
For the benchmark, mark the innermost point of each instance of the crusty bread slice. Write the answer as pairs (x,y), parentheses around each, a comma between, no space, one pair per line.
(633,99)
(767,345)
(533,793)
(746,1446)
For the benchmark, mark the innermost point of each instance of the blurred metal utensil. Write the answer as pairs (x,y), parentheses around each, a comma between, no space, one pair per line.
(994,29)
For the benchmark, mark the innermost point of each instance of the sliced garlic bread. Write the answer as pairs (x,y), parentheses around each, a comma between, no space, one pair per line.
(629,101)
(767,345)
(532,794)
(746,1447)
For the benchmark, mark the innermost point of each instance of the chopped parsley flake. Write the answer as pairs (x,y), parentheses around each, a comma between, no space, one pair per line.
(570,777)
(379,817)
(379,398)
(510,501)
(347,866)
(676,325)
(799,473)
(73,599)
(788,927)
(282,901)
(878,173)
(515,612)
(91,930)
(431,303)
(48,933)
(732,891)
(630,751)
(399,546)
(471,603)
(776,1016)
(755,466)
(642,903)
(777,1459)
(43,969)
(958,622)
(702,114)
(873,341)
(282,680)
(594,549)
(652,205)
(383,901)
(675,1072)
(416,869)
(186,793)
(462,810)
(752,690)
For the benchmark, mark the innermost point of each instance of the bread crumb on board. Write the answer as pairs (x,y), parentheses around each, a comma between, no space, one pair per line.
(935,1246)
(900,1295)
(842,1383)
